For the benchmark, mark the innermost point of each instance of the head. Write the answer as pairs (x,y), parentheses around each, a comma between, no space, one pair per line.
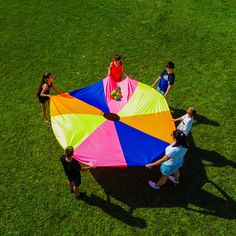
(191,111)
(180,138)
(69,151)
(170,66)
(117,58)
(47,78)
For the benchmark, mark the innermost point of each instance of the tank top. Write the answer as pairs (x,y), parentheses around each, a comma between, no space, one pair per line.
(41,88)
(116,71)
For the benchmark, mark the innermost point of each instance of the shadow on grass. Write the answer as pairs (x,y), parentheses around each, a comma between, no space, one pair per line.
(129,186)
(114,210)
(198,119)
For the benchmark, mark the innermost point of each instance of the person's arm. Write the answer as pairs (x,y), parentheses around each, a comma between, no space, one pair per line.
(167,91)
(83,168)
(178,119)
(44,89)
(56,89)
(64,167)
(109,69)
(158,162)
(170,83)
(158,78)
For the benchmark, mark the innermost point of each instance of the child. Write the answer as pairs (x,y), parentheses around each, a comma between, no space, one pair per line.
(186,121)
(43,93)
(72,170)
(171,161)
(116,69)
(166,79)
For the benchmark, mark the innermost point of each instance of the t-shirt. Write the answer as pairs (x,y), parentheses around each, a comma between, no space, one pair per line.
(175,154)
(116,71)
(186,124)
(165,80)
(72,169)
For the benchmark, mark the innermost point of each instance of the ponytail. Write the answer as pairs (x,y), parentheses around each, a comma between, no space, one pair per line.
(44,80)
(181,138)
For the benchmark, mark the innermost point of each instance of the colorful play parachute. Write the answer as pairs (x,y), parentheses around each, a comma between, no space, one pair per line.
(105,132)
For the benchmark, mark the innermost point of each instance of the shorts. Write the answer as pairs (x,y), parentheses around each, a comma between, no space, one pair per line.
(160,91)
(170,169)
(43,99)
(76,181)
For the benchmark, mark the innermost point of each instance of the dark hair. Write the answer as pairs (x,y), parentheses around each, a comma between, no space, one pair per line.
(170,65)
(69,151)
(117,57)
(181,138)
(45,77)
(43,81)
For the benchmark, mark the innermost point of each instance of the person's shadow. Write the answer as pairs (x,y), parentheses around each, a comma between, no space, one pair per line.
(129,186)
(198,119)
(114,210)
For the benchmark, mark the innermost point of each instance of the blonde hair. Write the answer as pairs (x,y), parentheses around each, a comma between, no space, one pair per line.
(192,110)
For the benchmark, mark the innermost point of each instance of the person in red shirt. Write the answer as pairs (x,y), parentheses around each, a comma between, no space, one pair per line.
(116,69)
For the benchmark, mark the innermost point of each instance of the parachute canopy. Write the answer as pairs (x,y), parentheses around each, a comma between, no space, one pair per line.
(132,129)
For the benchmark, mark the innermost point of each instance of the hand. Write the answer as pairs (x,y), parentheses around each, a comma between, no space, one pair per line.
(148,166)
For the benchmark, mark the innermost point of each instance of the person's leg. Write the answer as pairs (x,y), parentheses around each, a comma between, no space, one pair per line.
(159,183)
(177,176)
(71,186)
(43,108)
(48,101)
(76,190)
(162,180)
(78,194)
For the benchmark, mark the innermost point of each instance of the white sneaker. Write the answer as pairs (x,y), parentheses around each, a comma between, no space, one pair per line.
(153,184)
(172,179)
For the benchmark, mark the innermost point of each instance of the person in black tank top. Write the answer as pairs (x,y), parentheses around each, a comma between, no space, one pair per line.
(44,93)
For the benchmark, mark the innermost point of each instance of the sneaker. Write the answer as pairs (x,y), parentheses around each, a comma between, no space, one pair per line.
(153,184)
(81,196)
(71,190)
(172,179)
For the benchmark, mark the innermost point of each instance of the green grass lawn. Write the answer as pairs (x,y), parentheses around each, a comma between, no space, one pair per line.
(75,40)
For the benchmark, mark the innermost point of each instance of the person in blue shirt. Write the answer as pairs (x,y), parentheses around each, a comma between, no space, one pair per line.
(166,79)
(171,161)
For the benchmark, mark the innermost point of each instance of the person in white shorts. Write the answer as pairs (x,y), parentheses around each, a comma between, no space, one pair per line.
(186,121)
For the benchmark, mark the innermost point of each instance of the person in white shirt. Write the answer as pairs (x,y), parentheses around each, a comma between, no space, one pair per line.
(186,121)
(171,161)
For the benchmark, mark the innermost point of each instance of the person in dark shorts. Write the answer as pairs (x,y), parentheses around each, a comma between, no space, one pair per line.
(44,91)
(72,170)
(166,79)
